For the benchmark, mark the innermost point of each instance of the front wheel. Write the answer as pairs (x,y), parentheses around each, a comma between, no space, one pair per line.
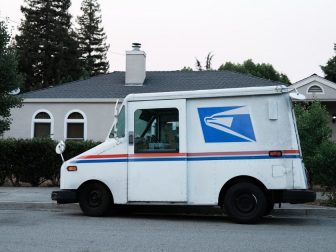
(95,199)
(245,202)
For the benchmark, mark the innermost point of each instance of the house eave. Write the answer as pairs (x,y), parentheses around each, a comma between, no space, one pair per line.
(71,100)
(316,78)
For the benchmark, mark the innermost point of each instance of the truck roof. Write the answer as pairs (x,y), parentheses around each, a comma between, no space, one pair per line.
(228,92)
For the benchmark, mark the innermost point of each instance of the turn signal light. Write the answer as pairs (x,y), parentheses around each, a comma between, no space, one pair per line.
(72,168)
(275,153)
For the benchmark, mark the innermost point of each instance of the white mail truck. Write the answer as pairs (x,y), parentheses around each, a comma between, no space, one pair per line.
(234,148)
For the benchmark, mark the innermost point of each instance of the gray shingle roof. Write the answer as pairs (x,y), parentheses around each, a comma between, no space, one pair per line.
(112,85)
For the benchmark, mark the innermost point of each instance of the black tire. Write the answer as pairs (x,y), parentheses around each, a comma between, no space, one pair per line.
(95,199)
(245,203)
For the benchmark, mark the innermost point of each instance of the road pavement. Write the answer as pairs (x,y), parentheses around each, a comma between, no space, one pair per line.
(30,221)
(69,230)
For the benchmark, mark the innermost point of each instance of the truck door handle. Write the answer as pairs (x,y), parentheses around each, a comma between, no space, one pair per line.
(131,138)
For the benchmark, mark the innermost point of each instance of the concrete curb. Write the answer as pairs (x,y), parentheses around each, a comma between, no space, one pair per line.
(325,212)
(302,212)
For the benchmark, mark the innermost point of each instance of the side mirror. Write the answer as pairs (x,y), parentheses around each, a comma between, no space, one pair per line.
(60,148)
(296,95)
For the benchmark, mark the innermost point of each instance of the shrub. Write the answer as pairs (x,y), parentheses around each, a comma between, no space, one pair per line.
(4,166)
(34,160)
(326,163)
(74,148)
(7,154)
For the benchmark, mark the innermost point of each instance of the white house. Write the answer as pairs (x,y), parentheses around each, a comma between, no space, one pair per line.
(84,109)
(316,87)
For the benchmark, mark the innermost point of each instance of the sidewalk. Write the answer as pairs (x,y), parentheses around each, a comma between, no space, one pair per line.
(28,198)
(39,198)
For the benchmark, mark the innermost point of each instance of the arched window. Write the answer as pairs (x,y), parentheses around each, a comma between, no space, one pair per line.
(315,89)
(42,124)
(75,125)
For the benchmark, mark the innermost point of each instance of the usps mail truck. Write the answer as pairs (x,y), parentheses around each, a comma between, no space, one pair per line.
(234,148)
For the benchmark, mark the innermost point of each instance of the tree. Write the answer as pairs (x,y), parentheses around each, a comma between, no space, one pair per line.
(47,49)
(10,79)
(186,69)
(263,70)
(314,132)
(208,63)
(330,68)
(92,39)
(317,148)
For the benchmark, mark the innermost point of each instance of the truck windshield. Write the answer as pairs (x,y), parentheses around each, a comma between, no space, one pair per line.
(118,129)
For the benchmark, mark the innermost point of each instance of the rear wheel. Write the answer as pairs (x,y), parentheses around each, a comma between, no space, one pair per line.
(95,199)
(245,202)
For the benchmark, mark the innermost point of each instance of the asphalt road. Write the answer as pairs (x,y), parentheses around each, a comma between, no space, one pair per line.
(68,230)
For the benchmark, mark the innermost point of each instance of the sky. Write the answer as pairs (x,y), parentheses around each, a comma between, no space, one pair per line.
(295,36)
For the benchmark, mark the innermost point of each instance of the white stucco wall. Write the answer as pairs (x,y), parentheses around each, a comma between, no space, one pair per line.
(99,119)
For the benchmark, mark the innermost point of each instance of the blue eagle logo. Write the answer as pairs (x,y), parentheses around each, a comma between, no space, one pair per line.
(226,124)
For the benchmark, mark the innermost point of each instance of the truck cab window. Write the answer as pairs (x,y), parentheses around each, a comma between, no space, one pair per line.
(120,126)
(156,130)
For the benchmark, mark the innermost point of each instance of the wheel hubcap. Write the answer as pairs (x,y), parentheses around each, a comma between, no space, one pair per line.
(245,202)
(95,198)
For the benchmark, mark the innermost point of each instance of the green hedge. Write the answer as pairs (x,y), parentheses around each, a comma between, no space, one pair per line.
(34,161)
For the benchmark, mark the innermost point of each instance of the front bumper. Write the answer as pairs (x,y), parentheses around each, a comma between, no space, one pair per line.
(298,196)
(65,196)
